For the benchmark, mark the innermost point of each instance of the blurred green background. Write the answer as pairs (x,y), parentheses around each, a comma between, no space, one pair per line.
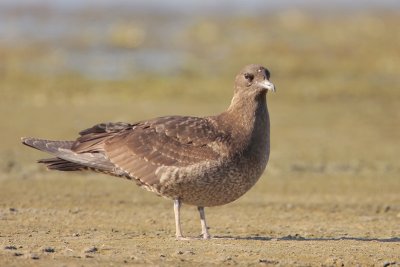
(66,65)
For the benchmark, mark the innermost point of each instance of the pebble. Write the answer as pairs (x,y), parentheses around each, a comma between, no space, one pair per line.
(49,250)
(91,250)
(34,257)
(388,263)
(10,247)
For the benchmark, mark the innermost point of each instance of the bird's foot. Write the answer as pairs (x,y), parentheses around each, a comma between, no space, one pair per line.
(182,238)
(206,236)
(201,237)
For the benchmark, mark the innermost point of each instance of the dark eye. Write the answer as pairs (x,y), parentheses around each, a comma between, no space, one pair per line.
(267,73)
(249,76)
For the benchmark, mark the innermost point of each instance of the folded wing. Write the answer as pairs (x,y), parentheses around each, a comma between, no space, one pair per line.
(139,150)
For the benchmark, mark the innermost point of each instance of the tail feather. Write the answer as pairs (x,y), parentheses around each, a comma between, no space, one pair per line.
(68,160)
(61,165)
(46,145)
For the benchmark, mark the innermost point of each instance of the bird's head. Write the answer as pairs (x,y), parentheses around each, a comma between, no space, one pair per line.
(253,79)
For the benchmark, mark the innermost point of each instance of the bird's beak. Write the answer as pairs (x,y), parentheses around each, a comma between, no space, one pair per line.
(267,85)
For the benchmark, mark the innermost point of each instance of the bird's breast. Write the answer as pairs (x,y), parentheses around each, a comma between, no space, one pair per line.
(221,181)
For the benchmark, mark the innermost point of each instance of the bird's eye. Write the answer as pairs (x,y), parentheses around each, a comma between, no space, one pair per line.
(267,73)
(249,76)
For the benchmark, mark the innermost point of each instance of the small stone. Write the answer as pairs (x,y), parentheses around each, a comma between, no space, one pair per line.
(13,209)
(10,247)
(49,250)
(74,210)
(388,263)
(91,250)
(17,254)
(34,257)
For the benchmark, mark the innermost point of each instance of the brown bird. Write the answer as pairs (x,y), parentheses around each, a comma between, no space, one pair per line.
(204,162)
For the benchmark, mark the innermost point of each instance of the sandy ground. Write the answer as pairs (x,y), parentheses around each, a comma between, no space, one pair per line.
(56,219)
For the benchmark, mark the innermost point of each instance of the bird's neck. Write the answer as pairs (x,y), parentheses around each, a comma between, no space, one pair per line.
(248,117)
(248,110)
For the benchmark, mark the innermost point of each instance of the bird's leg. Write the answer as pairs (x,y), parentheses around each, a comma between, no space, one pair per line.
(177,208)
(204,228)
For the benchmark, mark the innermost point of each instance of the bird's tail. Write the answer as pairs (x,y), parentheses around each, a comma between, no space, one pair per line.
(62,165)
(48,146)
(53,147)
(66,159)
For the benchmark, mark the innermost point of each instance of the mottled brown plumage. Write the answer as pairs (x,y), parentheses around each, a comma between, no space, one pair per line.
(204,162)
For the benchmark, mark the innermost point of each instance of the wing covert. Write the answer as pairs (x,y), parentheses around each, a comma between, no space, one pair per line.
(167,141)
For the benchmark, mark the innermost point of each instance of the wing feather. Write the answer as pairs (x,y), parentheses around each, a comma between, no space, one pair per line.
(167,141)
(139,150)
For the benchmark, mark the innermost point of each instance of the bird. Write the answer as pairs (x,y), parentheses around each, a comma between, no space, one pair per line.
(199,161)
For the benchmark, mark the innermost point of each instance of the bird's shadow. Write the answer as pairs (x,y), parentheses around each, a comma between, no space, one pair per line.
(300,238)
